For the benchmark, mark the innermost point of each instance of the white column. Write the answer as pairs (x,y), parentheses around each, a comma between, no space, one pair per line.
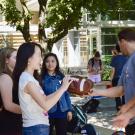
(99,47)
(58,50)
(73,50)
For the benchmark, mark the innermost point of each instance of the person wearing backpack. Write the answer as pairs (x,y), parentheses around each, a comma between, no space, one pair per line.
(95,68)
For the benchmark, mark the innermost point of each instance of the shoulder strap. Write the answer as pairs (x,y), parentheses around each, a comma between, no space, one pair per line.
(92,61)
(100,63)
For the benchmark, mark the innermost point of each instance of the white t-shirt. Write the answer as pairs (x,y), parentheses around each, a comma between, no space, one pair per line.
(32,113)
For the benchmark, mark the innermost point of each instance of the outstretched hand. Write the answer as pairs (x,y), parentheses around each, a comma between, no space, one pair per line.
(93,92)
(67,80)
(123,109)
(121,121)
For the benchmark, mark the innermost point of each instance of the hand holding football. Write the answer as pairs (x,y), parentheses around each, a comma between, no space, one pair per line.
(81,87)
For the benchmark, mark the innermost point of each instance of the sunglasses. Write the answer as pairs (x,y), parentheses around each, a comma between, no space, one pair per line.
(119,133)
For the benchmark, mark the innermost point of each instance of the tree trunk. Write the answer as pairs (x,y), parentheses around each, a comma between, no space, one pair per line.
(26,30)
(50,42)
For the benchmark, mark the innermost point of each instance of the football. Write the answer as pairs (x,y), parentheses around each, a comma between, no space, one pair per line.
(80,87)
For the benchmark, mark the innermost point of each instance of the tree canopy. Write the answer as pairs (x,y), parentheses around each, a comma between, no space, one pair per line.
(59,15)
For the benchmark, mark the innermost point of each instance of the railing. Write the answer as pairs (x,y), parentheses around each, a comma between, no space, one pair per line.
(81,71)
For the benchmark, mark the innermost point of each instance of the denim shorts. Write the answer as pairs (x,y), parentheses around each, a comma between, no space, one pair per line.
(36,130)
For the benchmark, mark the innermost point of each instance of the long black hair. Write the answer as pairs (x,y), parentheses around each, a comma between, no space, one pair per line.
(25,51)
(44,70)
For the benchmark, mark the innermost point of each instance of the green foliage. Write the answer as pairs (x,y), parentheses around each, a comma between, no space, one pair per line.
(62,15)
(15,17)
(11,13)
(107,60)
(106,68)
(106,73)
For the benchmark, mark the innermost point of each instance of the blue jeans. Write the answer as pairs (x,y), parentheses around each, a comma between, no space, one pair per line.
(36,130)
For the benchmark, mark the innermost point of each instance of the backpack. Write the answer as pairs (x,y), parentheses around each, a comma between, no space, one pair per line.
(78,121)
(78,124)
(91,106)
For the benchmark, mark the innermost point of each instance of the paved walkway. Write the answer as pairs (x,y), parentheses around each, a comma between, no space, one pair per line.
(102,118)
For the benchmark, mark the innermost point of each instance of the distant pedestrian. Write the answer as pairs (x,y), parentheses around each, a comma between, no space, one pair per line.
(95,68)
(117,63)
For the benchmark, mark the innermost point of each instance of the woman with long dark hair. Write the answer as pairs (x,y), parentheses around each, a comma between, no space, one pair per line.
(95,68)
(60,114)
(33,102)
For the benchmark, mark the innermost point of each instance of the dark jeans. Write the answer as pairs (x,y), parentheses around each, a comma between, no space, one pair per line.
(60,125)
(130,129)
(36,130)
(119,100)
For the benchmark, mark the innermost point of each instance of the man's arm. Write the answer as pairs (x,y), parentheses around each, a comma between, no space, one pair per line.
(111,92)
(126,107)
(123,119)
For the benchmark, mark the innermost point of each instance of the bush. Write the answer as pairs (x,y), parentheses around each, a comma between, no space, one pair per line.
(106,68)
(107,60)
(106,73)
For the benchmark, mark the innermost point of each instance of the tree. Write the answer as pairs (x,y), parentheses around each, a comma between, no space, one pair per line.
(60,15)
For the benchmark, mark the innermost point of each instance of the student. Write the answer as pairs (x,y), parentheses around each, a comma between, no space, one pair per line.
(33,102)
(10,118)
(51,81)
(95,68)
(117,63)
(126,84)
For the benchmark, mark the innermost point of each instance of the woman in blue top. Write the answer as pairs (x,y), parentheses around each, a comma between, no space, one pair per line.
(51,77)
(117,64)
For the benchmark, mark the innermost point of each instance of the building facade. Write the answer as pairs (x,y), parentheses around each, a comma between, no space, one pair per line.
(75,49)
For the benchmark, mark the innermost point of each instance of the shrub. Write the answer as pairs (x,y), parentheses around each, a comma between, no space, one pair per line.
(106,73)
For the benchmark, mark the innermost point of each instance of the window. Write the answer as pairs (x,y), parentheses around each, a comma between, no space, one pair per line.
(119,15)
(108,39)
(107,50)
